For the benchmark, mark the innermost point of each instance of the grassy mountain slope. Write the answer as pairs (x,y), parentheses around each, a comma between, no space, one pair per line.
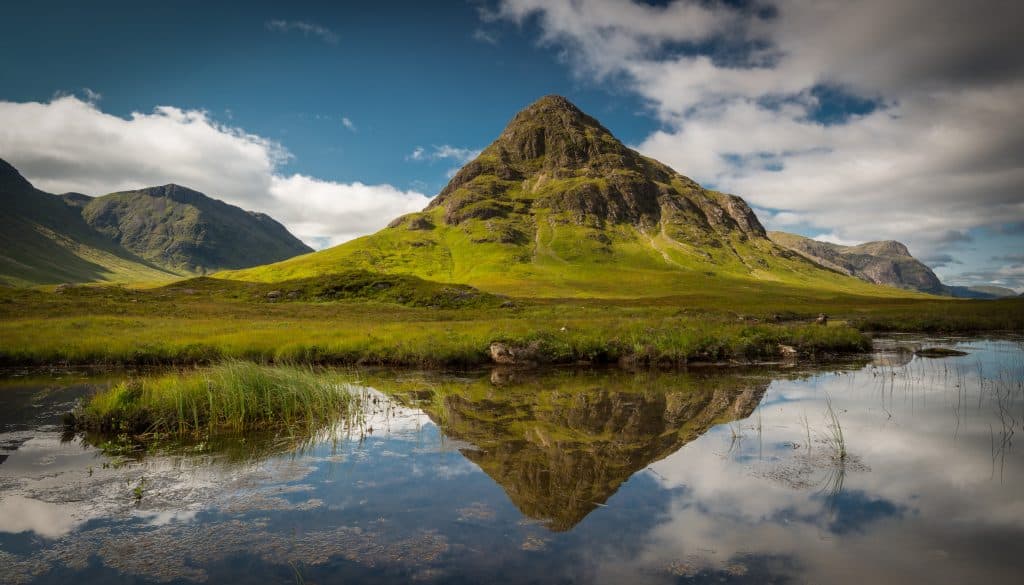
(149,235)
(557,206)
(185,230)
(43,240)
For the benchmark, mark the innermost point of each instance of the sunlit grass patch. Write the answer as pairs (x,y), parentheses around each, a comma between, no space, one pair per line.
(230,396)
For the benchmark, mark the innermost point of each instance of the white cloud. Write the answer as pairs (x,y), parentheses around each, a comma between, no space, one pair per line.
(444,152)
(832,238)
(341,211)
(943,152)
(417,154)
(460,156)
(70,145)
(485,36)
(346,122)
(306,28)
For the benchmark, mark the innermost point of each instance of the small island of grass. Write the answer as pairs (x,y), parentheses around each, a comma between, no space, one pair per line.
(232,396)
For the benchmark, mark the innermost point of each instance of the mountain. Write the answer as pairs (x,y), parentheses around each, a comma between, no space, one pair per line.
(558,206)
(45,240)
(887,262)
(561,447)
(182,229)
(148,235)
(981,292)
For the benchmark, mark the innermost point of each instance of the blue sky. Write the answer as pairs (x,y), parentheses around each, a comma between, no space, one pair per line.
(846,121)
(405,74)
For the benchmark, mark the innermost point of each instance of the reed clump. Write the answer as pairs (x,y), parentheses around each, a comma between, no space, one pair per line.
(232,396)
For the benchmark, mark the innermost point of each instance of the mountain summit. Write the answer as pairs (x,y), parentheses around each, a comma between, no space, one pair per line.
(558,206)
(554,159)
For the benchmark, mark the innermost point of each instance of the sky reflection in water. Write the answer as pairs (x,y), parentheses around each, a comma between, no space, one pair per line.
(569,476)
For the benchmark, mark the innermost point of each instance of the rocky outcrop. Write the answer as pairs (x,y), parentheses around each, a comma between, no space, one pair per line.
(554,159)
(886,262)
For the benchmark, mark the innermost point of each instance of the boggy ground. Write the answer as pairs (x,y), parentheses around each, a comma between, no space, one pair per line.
(365,318)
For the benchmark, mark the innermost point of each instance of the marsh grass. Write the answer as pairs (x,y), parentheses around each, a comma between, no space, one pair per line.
(232,396)
(359,320)
(835,436)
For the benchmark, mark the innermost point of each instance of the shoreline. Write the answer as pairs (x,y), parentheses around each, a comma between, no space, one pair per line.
(9,370)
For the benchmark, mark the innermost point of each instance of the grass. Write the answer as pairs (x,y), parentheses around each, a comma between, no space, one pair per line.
(231,396)
(361,318)
(835,430)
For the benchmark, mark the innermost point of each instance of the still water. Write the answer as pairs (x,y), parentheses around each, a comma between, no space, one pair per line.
(562,476)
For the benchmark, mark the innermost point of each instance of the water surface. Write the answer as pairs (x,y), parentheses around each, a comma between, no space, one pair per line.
(596,476)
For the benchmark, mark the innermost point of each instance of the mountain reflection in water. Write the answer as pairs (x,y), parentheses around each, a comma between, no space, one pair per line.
(592,476)
(561,445)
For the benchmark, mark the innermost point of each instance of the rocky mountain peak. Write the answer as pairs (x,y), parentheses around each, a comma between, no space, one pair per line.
(555,161)
(883,248)
(559,136)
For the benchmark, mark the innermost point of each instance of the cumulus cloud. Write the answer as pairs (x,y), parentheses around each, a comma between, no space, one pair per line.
(938,151)
(306,28)
(71,145)
(346,122)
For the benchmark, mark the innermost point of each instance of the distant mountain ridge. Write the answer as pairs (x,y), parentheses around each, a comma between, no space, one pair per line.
(180,228)
(884,262)
(556,205)
(151,234)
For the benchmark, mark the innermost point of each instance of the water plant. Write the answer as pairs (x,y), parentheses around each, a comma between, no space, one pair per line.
(835,429)
(232,395)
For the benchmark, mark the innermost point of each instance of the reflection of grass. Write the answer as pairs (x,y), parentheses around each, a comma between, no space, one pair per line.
(807,428)
(232,396)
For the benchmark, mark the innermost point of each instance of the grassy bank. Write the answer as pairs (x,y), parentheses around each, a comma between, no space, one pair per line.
(206,320)
(117,340)
(230,396)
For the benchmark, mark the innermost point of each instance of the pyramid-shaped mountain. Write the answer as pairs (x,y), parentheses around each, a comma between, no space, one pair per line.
(559,206)
(561,446)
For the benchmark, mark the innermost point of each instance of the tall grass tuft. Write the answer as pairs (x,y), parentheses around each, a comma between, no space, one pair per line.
(231,396)
(835,437)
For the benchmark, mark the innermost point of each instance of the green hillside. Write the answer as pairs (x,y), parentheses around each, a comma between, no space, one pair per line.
(149,235)
(556,207)
(43,240)
(181,229)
